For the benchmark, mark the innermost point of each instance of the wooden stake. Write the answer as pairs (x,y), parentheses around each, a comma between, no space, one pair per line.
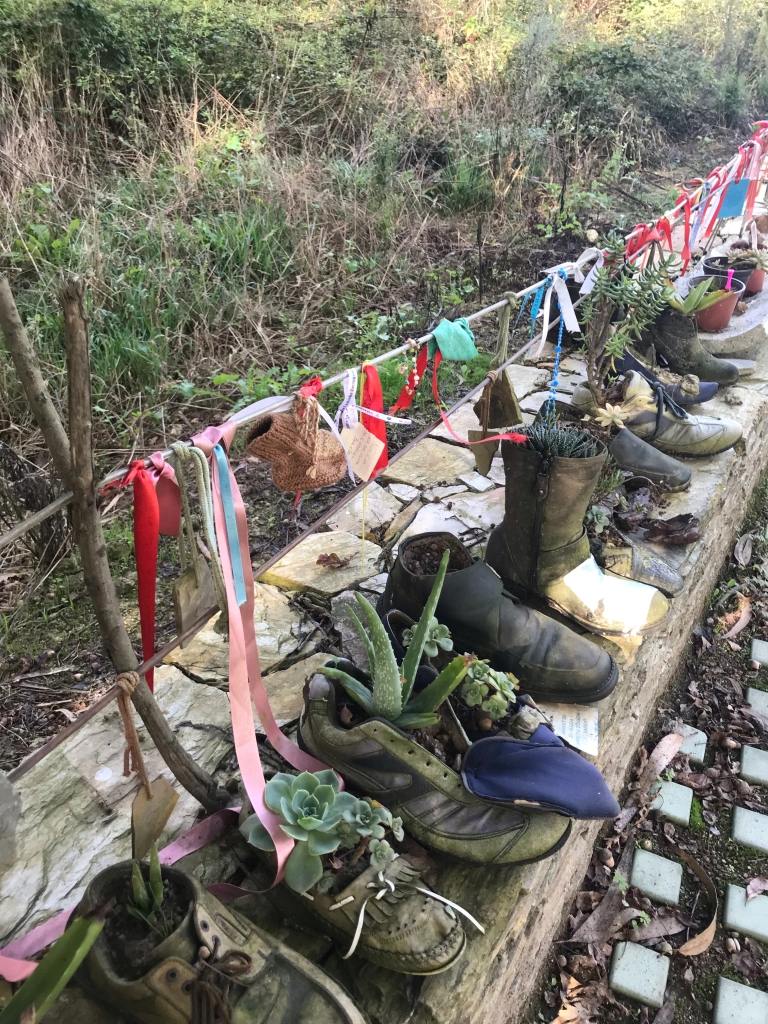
(90,538)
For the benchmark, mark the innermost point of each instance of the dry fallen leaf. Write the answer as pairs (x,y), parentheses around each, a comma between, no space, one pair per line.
(699,943)
(333,561)
(742,552)
(756,886)
(666,1014)
(745,614)
(664,752)
(599,925)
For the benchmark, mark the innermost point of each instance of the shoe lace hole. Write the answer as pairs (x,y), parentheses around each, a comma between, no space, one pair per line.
(186,988)
(172,975)
(204,925)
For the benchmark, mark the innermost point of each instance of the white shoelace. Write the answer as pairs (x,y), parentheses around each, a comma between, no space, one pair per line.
(385,886)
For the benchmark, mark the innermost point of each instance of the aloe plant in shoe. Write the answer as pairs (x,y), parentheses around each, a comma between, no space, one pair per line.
(390,695)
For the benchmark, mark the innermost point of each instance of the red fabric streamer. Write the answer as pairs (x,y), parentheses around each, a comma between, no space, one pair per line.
(373,399)
(685,255)
(312,388)
(406,395)
(146,538)
(517,438)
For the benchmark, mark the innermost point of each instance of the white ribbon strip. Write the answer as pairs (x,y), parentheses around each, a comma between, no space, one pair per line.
(337,435)
(347,411)
(567,311)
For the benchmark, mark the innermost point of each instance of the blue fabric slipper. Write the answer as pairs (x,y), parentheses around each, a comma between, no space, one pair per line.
(539,772)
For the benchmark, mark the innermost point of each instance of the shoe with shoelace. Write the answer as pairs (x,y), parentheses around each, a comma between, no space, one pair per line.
(215,967)
(650,414)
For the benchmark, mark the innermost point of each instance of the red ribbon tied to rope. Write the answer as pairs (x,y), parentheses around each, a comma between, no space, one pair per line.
(373,399)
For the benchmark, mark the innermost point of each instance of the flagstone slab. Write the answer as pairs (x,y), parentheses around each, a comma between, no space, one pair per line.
(747,917)
(404,492)
(429,463)
(298,569)
(750,828)
(284,687)
(402,519)
(754,765)
(436,518)
(373,508)
(76,803)
(639,973)
(534,402)
(476,482)
(483,510)
(280,631)
(739,1004)
(657,877)
(461,421)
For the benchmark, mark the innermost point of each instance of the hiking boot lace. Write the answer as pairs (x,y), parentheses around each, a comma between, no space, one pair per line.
(212,986)
(384,886)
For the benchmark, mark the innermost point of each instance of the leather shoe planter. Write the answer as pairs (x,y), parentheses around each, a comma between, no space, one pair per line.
(650,414)
(542,547)
(642,459)
(214,966)
(538,772)
(377,758)
(550,660)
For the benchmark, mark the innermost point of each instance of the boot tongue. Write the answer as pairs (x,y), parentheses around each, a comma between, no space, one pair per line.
(636,386)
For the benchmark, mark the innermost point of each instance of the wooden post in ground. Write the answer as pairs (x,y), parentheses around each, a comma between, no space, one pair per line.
(74,462)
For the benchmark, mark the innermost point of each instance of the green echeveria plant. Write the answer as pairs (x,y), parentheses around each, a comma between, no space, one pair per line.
(438,638)
(488,689)
(320,818)
(390,695)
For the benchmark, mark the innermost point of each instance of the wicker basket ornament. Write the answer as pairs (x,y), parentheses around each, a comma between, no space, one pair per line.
(303,457)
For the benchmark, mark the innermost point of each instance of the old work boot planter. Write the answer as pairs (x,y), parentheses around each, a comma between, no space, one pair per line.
(641,459)
(214,967)
(405,928)
(676,337)
(389,765)
(542,547)
(550,660)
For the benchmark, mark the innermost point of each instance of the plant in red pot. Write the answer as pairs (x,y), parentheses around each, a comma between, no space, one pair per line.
(711,308)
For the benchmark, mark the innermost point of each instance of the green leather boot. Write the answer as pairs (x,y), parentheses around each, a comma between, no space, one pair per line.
(542,547)
(677,338)
(437,810)
(214,967)
(550,660)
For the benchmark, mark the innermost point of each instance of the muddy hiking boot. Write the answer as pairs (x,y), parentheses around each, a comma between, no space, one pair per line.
(215,967)
(652,416)
(550,660)
(542,548)
(676,337)
(389,765)
(405,926)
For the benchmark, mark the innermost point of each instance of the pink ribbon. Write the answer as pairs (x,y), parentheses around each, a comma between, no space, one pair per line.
(245,679)
(168,494)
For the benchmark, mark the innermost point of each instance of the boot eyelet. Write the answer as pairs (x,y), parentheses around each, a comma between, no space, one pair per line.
(204,925)
(186,988)
(171,975)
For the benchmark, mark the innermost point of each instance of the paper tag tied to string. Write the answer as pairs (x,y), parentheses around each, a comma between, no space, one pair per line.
(575,724)
(363,450)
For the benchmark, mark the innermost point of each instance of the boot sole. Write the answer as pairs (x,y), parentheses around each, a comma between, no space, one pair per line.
(590,626)
(689,455)
(286,905)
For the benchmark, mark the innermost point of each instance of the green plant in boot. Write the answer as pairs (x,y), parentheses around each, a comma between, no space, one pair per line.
(390,695)
(147,897)
(488,689)
(438,638)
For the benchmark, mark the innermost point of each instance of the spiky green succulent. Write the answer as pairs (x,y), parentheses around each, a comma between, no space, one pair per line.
(390,694)
(438,638)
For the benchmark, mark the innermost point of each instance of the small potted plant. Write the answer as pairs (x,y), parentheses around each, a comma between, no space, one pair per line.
(748,266)
(712,308)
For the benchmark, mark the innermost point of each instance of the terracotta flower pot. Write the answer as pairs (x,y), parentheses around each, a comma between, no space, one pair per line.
(756,282)
(717,267)
(718,316)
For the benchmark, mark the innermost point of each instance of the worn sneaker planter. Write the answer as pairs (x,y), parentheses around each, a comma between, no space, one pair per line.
(688,391)
(364,894)
(653,417)
(436,809)
(550,660)
(542,547)
(200,962)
